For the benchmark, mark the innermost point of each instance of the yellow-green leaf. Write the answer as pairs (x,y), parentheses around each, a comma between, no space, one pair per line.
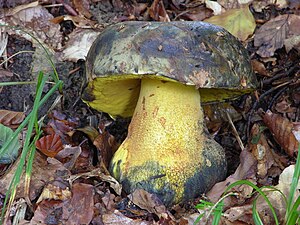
(239,22)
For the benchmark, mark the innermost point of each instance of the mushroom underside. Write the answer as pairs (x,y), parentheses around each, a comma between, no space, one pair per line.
(118,94)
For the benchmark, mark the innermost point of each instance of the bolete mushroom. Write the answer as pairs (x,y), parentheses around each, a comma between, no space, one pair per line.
(158,73)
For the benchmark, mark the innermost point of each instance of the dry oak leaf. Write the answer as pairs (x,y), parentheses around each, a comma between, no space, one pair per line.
(283,131)
(239,22)
(275,33)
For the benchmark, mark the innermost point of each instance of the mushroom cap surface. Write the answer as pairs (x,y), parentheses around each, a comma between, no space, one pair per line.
(191,52)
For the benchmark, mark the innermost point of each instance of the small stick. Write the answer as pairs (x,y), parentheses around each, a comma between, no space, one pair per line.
(236,134)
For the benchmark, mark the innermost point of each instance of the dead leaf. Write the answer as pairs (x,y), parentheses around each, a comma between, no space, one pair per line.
(80,41)
(284,106)
(158,12)
(55,190)
(246,170)
(233,4)
(259,5)
(50,145)
(214,6)
(75,210)
(48,212)
(239,214)
(259,68)
(149,202)
(79,210)
(197,14)
(11,119)
(239,22)
(117,218)
(282,130)
(271,35)
(265,156)
(68,156)
(114,184)
(82,7)
(276,199)
(293,42)
(36,20)
(42,171)
(80,21)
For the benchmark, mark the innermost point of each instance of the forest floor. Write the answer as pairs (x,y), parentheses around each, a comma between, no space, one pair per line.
(70,184)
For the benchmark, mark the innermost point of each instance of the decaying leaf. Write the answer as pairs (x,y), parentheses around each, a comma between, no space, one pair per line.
(158,12)
(239,22)
(77,209)
(3,41)
(50,145)
(259,68)
(259,5)
(114,184)
(117,218)
(265,156)
(36,20)
(43,170)
(246,170)
(233,4)
(68,156)
(214,6)
(80,41)
(276,199)
(11,119)
(274,33)
(149,202)
(82,7)
(55,190)
(282,129)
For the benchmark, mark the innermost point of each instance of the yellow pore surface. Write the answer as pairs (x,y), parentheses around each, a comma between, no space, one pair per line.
(166,128)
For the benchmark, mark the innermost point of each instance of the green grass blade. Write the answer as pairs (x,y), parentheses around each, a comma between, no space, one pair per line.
(33,118)
(246,182)
(294,184)
(293,215)
(255,214)
(26,120)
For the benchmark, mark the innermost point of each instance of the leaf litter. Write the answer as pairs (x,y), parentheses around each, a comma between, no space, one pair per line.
(72,184)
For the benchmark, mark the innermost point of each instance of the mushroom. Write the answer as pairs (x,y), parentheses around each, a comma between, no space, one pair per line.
(158,73)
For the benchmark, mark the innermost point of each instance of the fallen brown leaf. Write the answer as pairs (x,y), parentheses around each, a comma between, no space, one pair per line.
(79,210)
(68,156)
(50,145)
(35,19)
(75,210)
(114,184)
(43,170)
(272,35)
(82,7)
(259,68)
(11,119)
(246,170)
(150,202)
(276,199)
(265,156)
(158,12)
(80,41)
(282,130)
(117,218)
(55,190)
